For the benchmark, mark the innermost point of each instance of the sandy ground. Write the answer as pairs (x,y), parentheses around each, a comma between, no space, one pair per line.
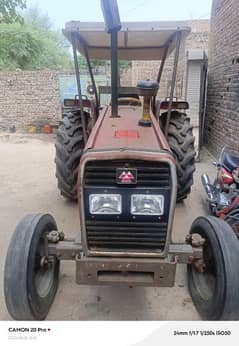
(28,185)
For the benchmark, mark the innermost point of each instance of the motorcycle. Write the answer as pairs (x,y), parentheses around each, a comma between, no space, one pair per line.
(223,194)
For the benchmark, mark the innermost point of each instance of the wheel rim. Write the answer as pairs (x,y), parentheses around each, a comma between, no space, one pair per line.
(43,274)
(206,282)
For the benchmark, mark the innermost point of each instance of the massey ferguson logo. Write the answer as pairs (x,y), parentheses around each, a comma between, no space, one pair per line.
(126,176)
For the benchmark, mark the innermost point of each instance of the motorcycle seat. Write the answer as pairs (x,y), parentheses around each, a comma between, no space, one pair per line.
(231,161)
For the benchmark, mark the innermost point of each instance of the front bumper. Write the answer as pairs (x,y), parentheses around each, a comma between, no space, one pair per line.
(125,271)
(121,272)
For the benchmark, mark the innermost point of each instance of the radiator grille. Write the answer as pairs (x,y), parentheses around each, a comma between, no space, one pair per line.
(150,174)
(126,235)
(123,235)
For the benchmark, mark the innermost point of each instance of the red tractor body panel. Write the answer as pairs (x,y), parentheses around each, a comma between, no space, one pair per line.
(123,139)
(125,133)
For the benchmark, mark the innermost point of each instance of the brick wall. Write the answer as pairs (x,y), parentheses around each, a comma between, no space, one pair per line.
(198,39)
(222,116)
(29,97)
(33,97)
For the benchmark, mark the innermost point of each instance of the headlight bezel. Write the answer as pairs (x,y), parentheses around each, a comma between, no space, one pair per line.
(160,198)
(105,195)
(126,194)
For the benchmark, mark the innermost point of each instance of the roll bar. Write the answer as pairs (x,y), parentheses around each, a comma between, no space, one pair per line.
(113,25)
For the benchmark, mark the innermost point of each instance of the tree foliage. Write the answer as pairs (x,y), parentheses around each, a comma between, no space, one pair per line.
(32,45)
(9,10)
(18,47)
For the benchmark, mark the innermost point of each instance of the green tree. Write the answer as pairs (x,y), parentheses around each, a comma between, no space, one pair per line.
(9,10)
(18,47)
(34,16)
(32,45)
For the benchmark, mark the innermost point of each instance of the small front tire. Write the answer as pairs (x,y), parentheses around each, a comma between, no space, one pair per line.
(30,287)
(215,292)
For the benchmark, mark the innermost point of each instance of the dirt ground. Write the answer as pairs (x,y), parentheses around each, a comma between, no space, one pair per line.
(28,185)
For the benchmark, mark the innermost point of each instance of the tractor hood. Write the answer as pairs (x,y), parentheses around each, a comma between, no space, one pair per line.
(124,133)
(142,154)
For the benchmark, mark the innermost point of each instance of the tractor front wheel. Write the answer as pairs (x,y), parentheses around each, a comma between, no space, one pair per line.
(30,279)
(215,291)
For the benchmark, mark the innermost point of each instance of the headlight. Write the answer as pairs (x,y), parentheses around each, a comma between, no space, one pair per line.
(147,204)
(105,204)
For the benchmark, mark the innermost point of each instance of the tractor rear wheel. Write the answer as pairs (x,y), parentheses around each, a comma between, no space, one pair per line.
(69,148)
(181,142)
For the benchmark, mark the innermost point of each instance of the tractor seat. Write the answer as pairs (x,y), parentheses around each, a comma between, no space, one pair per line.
(128,101)
(231,161)
(125,94)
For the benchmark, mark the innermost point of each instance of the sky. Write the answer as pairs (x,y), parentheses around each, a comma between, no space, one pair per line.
(130,10)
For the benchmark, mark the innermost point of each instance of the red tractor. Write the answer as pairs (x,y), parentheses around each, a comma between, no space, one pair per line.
(127,164)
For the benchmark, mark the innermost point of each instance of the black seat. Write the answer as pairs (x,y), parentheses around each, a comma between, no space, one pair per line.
(231,161)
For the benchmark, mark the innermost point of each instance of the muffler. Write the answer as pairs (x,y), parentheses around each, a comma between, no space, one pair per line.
(208,187)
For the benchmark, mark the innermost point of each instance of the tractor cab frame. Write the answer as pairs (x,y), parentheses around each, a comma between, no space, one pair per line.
(93,42)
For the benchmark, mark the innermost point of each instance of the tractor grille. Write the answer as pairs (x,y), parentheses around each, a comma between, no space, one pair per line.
(126,234)
(132,236)
(103,173)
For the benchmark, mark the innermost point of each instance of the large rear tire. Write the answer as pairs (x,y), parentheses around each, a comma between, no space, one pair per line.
(69,148)
(181,142)
(215,292)
(29,284)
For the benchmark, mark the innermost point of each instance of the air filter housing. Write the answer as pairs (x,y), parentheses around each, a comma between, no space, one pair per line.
(147,89)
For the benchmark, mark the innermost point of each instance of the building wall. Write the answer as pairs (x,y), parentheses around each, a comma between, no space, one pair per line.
(222,115)
(193,90)
(29,97)
(198,39)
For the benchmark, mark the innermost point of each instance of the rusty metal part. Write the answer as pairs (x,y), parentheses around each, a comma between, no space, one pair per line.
(195,239)
(65,250)
(185,253)
(197,242)
(70,248)
(125,271)
(140,272)
(55,236)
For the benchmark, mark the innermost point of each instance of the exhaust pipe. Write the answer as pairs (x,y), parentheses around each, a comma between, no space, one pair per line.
(208,187)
